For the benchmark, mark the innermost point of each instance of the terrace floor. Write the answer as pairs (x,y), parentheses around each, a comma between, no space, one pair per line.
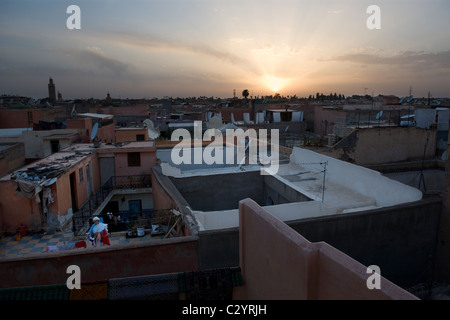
(34,245)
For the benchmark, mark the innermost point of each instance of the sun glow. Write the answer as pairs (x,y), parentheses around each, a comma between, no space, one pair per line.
(275,84)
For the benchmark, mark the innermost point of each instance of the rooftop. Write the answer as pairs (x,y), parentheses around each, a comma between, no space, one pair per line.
(348,188)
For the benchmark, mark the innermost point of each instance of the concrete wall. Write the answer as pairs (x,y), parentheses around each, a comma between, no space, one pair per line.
(102,263)
(220,192)
(368,146)
(218,248)
(18,118)
(106,133)
(443,247)
(37,147)
(161,198)
(129,134)
(325,119)
(84,125)
(224,191)
(130,110)
(279,264)
(12,157)
(400,239)
(277,192)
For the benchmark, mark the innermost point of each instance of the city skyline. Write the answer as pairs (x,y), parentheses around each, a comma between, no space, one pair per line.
(139,49)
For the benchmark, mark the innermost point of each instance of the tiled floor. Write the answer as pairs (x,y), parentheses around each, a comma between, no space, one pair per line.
(35,244)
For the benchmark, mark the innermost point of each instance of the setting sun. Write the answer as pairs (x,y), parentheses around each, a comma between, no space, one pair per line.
(273,83)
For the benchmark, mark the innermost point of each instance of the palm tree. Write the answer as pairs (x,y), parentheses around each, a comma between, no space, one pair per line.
(245,93)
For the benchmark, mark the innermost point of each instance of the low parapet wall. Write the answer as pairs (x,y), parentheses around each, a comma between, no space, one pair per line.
(279,263)
(102,263)
(400,239)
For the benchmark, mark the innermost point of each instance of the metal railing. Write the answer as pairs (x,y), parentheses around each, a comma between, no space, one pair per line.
(86,211)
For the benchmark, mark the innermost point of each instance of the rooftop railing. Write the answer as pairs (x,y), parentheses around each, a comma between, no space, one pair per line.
(86,211)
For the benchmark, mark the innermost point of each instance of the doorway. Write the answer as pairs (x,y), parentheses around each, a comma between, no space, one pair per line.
(73,192)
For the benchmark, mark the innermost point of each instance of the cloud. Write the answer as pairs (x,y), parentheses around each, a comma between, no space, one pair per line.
(150,42)
(417,59)
(335,11)
(96,57)
(284,51)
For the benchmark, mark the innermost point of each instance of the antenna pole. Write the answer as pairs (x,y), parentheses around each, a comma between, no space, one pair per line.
(324,174)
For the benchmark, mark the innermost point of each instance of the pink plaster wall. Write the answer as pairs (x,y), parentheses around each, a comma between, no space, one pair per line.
(161,199)
(131,110)
(16,209)
(84,123)
(148,160)
(102,263)
(18,118)
(106,133)
(321,115)
(278,263)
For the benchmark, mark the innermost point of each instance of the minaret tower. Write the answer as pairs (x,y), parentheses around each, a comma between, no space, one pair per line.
(51,90)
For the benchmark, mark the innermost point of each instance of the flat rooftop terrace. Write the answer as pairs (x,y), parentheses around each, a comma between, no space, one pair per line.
(310,185)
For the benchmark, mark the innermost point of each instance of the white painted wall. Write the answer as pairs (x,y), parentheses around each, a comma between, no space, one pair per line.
(352,188)
(370,183)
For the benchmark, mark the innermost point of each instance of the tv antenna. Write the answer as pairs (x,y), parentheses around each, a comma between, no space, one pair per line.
(244,157)
(323,164)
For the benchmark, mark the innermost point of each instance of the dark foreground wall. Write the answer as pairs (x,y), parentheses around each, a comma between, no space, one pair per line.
(103,263)
(401,240)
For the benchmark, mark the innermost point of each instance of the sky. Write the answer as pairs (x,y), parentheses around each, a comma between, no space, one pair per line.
(213,48)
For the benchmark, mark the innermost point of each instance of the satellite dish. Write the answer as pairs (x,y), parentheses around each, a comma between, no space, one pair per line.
(74,111)
(379,115)
(401,100)
(94,131)
(444,156)
(153,133)
(149,123)
(50,182)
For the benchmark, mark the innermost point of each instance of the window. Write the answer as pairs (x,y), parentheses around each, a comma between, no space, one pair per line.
(135,205)
(54,144)
(134,159)
(30,117)
(140,137)
(80,175)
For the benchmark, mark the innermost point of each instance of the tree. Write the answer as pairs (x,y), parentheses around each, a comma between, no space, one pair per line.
(245,93)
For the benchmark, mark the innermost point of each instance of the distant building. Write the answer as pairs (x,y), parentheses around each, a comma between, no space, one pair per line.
(51,90)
